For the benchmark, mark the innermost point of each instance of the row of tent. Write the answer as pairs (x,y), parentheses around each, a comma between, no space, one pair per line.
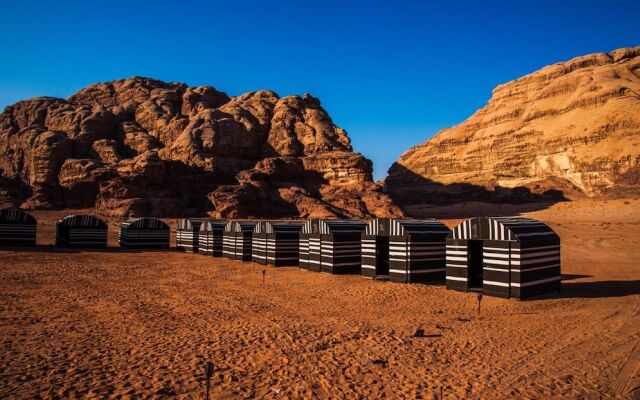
(502,256)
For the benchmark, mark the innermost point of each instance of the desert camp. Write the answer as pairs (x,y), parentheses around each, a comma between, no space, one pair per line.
(320,200)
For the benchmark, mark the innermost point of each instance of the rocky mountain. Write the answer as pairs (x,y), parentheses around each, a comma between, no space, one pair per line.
(141,146)
(570,129)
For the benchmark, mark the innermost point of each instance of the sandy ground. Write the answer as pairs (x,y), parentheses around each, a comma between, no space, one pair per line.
(115,324)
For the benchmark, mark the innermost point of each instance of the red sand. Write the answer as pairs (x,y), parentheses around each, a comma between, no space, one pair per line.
(117,324)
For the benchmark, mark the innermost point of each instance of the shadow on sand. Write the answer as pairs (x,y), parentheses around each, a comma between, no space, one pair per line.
(601,289)
(421,197)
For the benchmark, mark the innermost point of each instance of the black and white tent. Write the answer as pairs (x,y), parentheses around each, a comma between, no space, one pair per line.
(504,256)
(236,240)
(210,238)
(259,243)
(276,243)
(334,246)
(187,234)
(150,233)
(309,242)
(17,228)
(405,250)
(81,231)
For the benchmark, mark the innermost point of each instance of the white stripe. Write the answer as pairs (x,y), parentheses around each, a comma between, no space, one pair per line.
(494,283)
(555,278)
(456,278)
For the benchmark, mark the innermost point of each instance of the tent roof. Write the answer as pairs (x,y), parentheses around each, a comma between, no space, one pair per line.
(16,216)
(144,223)
(503,228)
(82,220)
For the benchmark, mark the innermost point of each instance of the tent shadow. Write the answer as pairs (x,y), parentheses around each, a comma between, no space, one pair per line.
(570,277)
(595,290)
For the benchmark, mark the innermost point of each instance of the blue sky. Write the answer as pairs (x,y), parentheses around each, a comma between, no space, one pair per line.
(392,74)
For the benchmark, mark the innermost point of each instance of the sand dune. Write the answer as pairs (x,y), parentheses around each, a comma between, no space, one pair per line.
(115,324)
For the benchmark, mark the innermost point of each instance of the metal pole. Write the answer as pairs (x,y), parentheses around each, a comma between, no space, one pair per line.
(208,371)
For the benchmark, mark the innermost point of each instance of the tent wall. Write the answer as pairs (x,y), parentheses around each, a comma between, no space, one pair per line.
(496,267)
(187,234)
(229,241)
(210,238)
(369,255)
(81,231)
(243,246)
(282,241)
(535,268)
(259,243)
(17,228)
(148,233)
(303,246)
(457,267)
(340,246)
(341,254)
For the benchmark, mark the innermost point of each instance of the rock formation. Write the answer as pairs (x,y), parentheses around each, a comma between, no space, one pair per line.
(569,129)
(140,146)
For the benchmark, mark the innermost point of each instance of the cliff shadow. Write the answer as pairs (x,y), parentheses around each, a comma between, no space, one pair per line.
(423,197)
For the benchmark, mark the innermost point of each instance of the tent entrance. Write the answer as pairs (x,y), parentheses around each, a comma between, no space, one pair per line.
(382,255)
(475,264)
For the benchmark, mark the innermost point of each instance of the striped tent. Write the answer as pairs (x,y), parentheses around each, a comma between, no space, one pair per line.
(404,250)
(236,240)
(276,243)
(309,243)
(259,243)
(81,231)
(150,233)
(334,245)
(17,228)
(504,256)
(187,234)
(210,238)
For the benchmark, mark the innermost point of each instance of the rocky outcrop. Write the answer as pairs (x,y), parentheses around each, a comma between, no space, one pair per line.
(569,129)
(145,147)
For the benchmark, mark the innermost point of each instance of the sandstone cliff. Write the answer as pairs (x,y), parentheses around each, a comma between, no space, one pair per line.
(145,147)
(569,129)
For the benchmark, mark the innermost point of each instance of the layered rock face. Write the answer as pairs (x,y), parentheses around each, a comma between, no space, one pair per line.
(569,129)
(140,146)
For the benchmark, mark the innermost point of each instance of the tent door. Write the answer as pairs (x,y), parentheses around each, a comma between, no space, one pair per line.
(382,255)
(475,264)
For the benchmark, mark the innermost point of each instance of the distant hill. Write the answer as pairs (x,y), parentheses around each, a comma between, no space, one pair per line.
(568,130)
(141,146)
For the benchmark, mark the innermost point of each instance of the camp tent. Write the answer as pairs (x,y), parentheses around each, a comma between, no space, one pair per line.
(187,234)
(276,243)
(308,235)
(334,246)
(17,228)
(210,238)
(144,233)
(236,240)
(81,231)
(404,250)
(504,256)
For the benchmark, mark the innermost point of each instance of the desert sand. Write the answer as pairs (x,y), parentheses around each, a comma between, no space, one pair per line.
(116,324)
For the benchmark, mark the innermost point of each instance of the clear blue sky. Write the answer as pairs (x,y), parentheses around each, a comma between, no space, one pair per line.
(392,74)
